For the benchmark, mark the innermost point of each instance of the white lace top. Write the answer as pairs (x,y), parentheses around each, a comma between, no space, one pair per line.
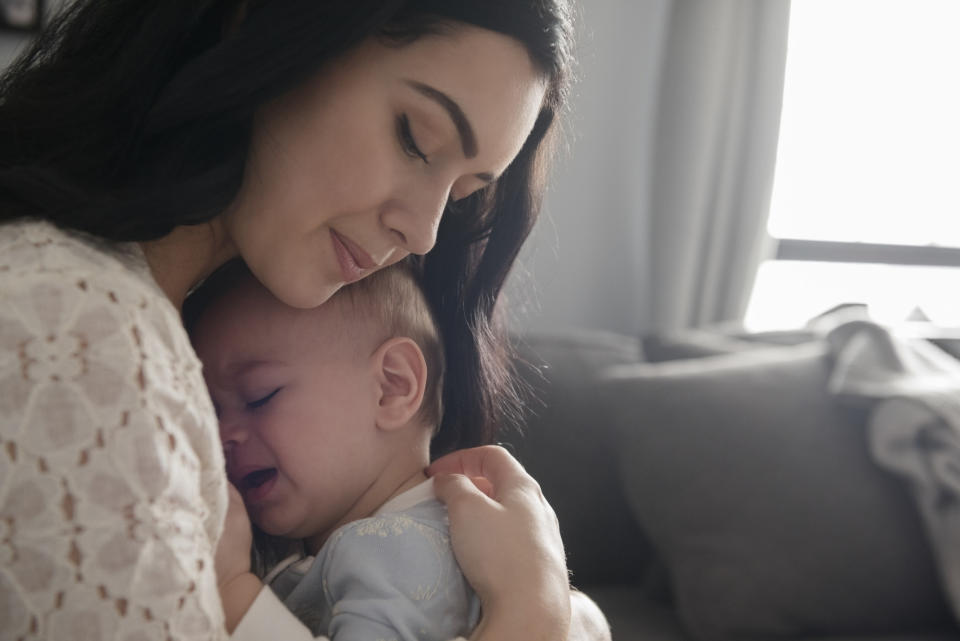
(112,491)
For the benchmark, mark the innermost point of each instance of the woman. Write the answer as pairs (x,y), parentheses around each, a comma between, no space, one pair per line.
(145,144)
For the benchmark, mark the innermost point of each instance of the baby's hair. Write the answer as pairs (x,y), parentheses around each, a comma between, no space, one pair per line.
(392,297)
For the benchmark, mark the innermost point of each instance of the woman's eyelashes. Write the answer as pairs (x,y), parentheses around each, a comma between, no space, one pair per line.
(263,400)
(407,141)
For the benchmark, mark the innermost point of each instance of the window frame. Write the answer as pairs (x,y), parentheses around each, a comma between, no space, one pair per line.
(832,251)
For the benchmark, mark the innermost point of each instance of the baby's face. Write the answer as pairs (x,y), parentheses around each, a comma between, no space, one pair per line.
(296,394)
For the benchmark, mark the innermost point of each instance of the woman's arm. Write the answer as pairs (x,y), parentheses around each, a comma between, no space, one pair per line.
(108,512)
(507,541)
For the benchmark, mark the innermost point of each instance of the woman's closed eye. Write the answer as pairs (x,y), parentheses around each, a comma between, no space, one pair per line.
(407,141)
(263,400)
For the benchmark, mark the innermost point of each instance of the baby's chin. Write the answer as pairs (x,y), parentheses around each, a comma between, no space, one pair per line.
(279,528)
(261,517)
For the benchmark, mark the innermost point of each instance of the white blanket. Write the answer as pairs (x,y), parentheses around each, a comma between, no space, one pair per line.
(914,429)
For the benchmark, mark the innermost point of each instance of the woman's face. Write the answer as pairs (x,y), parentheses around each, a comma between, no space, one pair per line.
(351,171)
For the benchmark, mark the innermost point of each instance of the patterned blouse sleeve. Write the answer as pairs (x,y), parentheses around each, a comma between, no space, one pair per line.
(111,490)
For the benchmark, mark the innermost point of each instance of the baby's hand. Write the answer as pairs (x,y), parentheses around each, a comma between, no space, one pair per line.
(233,552)
(238,586)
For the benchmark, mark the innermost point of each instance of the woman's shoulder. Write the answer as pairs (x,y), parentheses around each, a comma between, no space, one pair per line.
(55,282)
(97,376)
(32,247)
(81,315)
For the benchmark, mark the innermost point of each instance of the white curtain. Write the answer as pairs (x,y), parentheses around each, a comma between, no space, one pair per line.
(714,152)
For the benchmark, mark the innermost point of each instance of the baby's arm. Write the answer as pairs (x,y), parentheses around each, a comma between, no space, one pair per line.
(238,586)
(251,611)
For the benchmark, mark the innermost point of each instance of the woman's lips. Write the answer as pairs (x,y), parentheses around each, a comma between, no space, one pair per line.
(354,262)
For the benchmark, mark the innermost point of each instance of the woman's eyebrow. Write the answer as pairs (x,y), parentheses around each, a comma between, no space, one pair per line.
(468,140)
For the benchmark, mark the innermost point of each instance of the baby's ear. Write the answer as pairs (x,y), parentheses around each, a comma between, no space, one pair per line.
(402,377)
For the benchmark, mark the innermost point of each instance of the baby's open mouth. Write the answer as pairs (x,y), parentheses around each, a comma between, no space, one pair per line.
(254,480)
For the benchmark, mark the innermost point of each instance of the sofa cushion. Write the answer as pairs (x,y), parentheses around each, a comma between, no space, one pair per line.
(566,446)
(760,495)
(715,341)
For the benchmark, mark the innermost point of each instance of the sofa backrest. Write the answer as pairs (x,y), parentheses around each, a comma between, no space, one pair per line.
(567,446)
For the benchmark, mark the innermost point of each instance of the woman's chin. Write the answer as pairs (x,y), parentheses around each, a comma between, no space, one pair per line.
(306,297)
(304,288)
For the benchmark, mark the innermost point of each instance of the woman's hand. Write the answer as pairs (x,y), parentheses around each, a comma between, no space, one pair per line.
(237,584)
(506,538)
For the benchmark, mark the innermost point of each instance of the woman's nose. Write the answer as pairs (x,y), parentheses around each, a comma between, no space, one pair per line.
(416,219)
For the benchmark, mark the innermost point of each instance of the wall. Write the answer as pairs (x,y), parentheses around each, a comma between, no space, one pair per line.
(584,264)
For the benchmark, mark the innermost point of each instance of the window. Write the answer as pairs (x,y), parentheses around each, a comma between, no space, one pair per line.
(866,195)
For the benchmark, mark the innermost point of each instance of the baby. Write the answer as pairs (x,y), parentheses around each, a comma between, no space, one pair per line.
(326,417)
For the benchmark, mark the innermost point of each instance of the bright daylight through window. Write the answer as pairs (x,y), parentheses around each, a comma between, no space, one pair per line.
(866,195)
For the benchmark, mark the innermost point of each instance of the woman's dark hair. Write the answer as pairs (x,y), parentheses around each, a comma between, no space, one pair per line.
(127,118)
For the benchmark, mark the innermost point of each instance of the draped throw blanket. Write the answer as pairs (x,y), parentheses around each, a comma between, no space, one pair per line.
(914,430)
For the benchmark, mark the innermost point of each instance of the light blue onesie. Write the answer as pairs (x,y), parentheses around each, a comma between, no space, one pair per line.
(390,576)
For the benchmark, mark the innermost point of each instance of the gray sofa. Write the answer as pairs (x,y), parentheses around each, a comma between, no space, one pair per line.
(721,493)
